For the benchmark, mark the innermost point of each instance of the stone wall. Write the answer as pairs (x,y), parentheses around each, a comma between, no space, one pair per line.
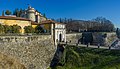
(34,52)
(73,37)
(6,62)
(108,40)
(104,41)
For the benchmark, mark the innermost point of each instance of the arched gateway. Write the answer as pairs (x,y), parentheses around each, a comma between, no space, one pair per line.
(60,37)
(57,30)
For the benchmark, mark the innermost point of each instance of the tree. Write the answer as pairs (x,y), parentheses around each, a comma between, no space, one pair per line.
(8,12)
(60,20)
(7,29)
(39,29)
(16,29)
(99,24)
(1,29)
(3,13)
(18,12)
(29,29)
(44,15)
(106,25)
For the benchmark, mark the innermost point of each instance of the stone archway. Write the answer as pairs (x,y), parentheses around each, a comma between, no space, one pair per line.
(60,37)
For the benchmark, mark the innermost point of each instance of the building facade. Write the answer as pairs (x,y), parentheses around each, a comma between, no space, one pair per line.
(33,15)
(9,20)
(33,18)
(57,30)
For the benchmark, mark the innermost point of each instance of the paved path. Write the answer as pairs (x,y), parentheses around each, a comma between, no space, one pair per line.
(90,46)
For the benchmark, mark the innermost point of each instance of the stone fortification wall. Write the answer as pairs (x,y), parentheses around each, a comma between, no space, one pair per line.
(34,52)
(97,37)
(110,38)
(73,37)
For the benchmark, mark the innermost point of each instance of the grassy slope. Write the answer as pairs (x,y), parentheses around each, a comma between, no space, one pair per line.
(89,58)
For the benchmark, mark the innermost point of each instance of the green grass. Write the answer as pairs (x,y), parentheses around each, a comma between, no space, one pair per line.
(89,58)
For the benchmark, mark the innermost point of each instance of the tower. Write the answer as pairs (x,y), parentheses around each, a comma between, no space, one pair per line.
(37,16)
(31,13)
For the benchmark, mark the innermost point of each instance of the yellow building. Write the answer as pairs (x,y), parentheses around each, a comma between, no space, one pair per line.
(22,22)
(10,20)
(57,30)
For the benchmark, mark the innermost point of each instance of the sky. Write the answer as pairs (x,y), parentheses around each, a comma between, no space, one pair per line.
(76,9)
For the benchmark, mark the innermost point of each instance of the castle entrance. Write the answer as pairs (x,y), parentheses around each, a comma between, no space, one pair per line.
(60,37)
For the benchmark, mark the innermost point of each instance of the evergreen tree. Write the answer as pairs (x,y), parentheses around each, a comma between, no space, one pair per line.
(44,15)
(3,13)
(8,12)
(17,12)
(20,12)
(60,20)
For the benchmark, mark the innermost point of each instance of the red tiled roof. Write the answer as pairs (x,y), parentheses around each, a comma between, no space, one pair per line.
(46,22)
(32,22)
(50,22)
(43,22)
(18,18)
(14,18)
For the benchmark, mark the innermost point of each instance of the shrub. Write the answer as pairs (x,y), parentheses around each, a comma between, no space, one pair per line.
(29,29)
(1,29)
(7,29)
(16,29)
(39,29)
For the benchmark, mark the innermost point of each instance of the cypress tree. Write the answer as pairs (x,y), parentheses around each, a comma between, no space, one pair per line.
(3,13)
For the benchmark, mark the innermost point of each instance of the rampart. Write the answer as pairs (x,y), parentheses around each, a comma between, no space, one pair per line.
(34,52)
